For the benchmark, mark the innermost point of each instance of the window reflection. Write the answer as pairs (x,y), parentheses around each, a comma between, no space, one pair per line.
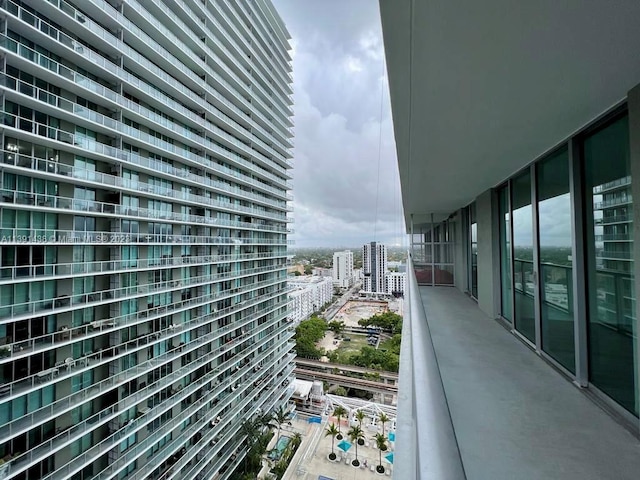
(556,286)
(523,256)
(610,262)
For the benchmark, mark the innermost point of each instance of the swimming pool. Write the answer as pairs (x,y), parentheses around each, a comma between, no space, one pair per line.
(282,443)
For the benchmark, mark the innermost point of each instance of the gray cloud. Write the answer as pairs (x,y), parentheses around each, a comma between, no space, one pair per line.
(340,133)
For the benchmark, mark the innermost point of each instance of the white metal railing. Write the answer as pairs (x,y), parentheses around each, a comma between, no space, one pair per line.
(235,411)
(263,71)
(264,404)
(426,445)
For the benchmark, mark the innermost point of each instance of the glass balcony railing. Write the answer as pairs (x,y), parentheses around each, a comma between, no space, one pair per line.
(168,33)
(43,61)
(426,445)
(141,447)
(32,456)
(65,270)
(144,62)
(72,366)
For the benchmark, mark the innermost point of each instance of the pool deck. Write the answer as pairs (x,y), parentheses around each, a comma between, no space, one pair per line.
(311,460)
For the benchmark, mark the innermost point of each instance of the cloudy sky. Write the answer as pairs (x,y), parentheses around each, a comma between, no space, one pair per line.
(345,163)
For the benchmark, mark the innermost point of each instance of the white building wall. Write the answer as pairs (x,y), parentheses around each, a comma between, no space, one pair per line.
(343,269)
(309,295)
(395,282)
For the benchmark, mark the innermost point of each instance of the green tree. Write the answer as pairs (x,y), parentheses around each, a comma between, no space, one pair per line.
(280,417)
(336,327)
(308,333)
(360,417)
(339,412)
(340,391)
(387,321)
(381,444)
(308,269)
(333,431)
(355,433)
(383,419)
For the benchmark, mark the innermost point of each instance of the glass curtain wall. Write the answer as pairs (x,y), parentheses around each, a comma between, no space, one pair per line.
(556,286)
(609,240)
(506,287)
(523,256)
(432,247)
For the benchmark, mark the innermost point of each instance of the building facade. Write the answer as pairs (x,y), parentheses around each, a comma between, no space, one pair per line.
(343,276)
(394,283)
(145,167)
(521,195)
(308,295)
(374,267)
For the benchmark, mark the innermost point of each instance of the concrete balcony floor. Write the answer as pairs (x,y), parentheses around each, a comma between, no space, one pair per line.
(514,416)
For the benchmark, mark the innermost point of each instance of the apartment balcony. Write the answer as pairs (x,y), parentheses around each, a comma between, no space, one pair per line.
(112,44)
(224,391)
(477,403)
(612,220)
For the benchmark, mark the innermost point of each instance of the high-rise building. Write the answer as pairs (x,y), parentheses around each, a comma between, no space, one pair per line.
(146,151)
(343,269)
(518,142)
(374,267)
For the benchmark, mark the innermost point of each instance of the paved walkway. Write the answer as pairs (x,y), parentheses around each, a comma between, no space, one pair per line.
(515,417)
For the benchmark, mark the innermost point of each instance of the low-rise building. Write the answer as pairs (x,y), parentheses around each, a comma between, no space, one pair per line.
(394,283)
(308,294)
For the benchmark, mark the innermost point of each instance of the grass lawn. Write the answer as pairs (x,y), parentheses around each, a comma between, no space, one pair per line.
(385,345)
(347,349)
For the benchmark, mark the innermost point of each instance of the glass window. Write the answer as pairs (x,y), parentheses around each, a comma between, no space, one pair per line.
(473,245)
(505,255)
(609,214)
(523,255)
(556,287)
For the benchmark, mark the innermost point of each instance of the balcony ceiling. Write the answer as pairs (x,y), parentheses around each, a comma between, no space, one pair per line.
(489,86)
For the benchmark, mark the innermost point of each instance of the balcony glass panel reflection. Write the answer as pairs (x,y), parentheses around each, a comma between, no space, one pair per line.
(556,286)
(523,256)
(609,212)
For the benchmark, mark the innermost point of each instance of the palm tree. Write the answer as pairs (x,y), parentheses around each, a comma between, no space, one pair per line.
(355,434)
(280,416)
(333,431)
(383,419)
(360,417)
(251,428)
(381,443)
(339,412)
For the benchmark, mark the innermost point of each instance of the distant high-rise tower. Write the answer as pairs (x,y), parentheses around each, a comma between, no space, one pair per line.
(343,269)
(374,266)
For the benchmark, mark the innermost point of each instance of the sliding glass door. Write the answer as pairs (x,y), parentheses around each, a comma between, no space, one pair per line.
(524,279)
(556,260)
